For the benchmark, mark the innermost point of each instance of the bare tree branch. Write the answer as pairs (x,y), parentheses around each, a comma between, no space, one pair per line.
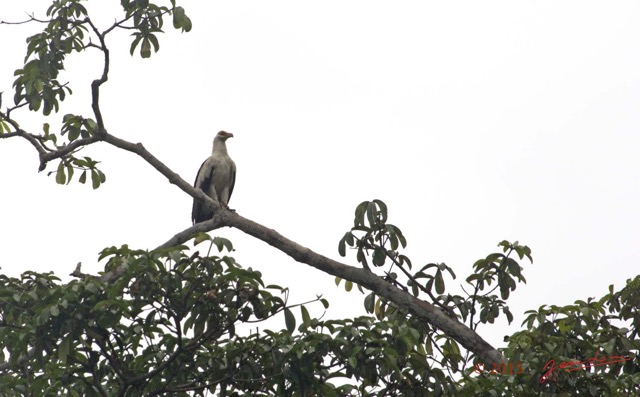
(33,139)
(32,18)
(48,156)
(173,178)
(11,109)
(421,309)
(95,85)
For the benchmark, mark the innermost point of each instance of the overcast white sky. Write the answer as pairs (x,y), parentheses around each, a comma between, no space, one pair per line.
(475,122)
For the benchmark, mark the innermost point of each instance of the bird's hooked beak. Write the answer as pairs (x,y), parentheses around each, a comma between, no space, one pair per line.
(225,135)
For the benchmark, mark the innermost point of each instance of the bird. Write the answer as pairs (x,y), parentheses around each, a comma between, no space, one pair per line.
(216,178)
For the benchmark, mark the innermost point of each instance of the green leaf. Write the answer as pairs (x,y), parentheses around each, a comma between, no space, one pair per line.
(95,179)
(91,125)
(439,282)
(83,177)
(54,310)
(60,177)
(379,256)
(178,14)
(74,133)
(341,247)
(306,318)
(360,257)
(504,289)
(200,237)
(360,211)
(154,41)
(63,349)
(393,239)
(383,210)
(145,49)
(289,320)
(348,285)
(69,172)
(181,20)
(135,43)
(199,324)
(371,214)
(379,309)
(37,85)
(369,302)
(186,24)
(393,230)
(349,238)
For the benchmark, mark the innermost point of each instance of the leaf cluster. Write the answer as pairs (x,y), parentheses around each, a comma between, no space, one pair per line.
(148,21)
(37,81)
(378,242)
(68,29)
(605,328)
(172,325)
(75,127)
(499,268)
(162,327)
(375,358)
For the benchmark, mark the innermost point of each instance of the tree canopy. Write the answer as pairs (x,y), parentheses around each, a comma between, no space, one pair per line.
(171,320)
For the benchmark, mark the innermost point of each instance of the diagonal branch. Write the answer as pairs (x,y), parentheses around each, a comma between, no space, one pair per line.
(421,309)
(173,178)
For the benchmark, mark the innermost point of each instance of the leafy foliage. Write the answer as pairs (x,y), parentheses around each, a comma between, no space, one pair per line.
(169,325)
(178,324)
(580,333)
(603,330)
(150,331)
(69,29)
(377,242)
(36,82)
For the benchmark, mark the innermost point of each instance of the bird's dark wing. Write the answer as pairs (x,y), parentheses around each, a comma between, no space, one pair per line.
(203,182)
(232,181)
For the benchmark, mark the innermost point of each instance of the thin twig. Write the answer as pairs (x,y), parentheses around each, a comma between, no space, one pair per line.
(11,109)
(20,132)
(32,18)
(45,157)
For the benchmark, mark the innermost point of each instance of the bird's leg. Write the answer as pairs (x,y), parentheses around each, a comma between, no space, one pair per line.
(226,206)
